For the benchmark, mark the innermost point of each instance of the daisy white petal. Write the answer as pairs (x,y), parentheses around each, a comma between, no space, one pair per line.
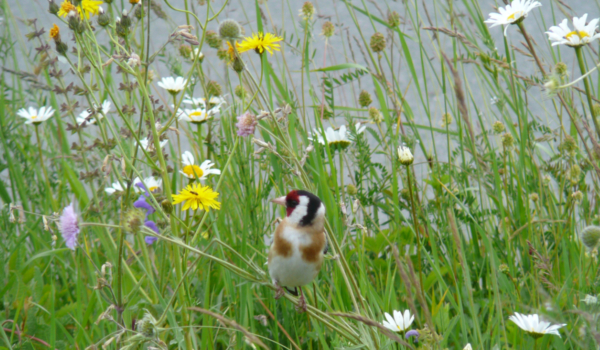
(533,325)
(513,13)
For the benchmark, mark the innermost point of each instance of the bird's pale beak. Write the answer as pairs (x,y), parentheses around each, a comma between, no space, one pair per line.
(279,200)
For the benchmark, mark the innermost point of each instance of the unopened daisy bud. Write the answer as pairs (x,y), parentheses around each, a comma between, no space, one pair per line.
(377,42)
(393,19)
(498,127)
(307,11)
(103,18)
(534,197)
(230,30)
(213,40)
(590,236)
(55,33)
(237,64)
(73,21)
(577,196)
(261,143)
(328,29)
(61,48)
(167,206)
(551,85)
(185,50)
(213,88)
(508,140)
(561,69)
(53,8)
(134,220)
(375,115)
(240,92)
(364,99)
(351,189)
(405,156)
(125,20)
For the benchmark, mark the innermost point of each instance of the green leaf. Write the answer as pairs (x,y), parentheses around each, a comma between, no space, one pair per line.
(341,67)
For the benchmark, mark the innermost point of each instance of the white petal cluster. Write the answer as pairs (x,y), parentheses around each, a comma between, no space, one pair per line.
(83,116)
(405,155)
(339,138)
(35,116)
(534,325)
(512,13)
(190,170)
(199,113)
(400,322)
(173,85)
(150,146)
(582,34)
(151,182)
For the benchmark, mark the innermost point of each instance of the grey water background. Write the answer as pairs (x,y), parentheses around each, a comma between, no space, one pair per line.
(283,15)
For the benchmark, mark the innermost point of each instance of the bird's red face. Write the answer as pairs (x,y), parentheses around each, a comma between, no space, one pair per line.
(301,207)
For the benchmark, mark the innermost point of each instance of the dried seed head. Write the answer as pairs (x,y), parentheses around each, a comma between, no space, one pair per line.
(375,115)
(377,42)
(446,119)
(241,92)
(230,30)
(561,69)
(213,40)
(213,88)
(393,19)
(134,220)
(498,127)
(307,11)
(351,190)
(508,141)
(185,50)
(328,29)
(364,99)
(590,236)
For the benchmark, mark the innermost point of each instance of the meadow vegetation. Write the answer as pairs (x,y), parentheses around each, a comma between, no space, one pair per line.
(456,151)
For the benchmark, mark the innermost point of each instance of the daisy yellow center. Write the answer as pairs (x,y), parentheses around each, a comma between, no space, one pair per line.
(190,170)
(34,116)
(195,114)
(579,33)
(515,15)
(152,189)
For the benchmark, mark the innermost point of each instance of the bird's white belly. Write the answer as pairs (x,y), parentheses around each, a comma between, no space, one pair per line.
(292,271)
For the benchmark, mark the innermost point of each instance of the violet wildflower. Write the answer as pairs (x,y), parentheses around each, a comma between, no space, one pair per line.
(412,333)
(246,123)
(143,204)
(69,227)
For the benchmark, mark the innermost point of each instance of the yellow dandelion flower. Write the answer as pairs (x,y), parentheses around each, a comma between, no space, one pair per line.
(55,32)
(260,42)
(196,196)
(88,6)
(230,51)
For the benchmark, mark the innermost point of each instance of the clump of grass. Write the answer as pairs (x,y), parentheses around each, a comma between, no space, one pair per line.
(459,169)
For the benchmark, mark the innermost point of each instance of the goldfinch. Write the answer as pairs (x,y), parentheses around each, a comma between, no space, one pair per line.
(296,254)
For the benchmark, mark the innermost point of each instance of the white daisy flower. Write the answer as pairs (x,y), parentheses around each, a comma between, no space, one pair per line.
(534,326)
(172,85)
(150,147)
(83,116)
(400,322)
(405,155)
(333,138)
(197,115)
(197,53)
(35,116)
(117,187)
(468,347)
(152,183)
(581,35)
(191,171)
(512,13)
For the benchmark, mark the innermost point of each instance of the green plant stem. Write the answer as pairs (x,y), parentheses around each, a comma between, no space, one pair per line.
(46,178)
(588,90)
(416,226)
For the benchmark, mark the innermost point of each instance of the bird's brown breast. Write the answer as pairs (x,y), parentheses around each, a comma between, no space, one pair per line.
(311,252)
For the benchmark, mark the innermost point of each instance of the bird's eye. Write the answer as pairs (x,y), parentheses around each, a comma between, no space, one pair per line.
(292,203)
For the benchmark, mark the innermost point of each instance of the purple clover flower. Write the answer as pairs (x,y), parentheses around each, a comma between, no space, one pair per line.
(69,227)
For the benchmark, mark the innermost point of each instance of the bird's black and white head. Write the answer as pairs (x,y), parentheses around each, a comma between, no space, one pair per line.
(303,208)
